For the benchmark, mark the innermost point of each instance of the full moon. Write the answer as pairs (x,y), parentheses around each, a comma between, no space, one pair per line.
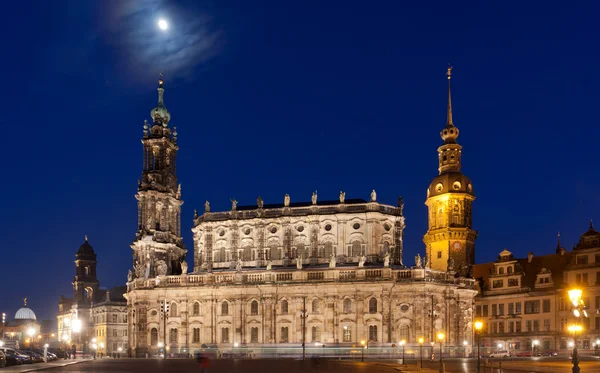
(162,24)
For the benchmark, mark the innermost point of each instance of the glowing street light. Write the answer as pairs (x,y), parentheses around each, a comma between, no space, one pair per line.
(76,325)
(440,338)
(402,343)
(421,340)
(364,344)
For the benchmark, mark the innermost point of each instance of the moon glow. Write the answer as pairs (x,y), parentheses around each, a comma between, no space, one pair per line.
(163,25)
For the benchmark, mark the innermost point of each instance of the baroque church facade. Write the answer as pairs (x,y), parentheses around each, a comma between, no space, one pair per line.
(284,274)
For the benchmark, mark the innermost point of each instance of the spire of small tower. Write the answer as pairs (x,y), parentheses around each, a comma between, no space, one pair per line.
(161,90)
(558,243)
(591,225)
(449,116)
(86,237)
(160,114)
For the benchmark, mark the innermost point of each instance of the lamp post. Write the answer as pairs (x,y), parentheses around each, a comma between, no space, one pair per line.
(65,338)
(31,333)
(478,328)
(76,324)
(440,338)
(402,343)
(3,322)
(421,340)
(574,329)
(94,347)
(533,344)
(578,308)
(101,349)
(364,346)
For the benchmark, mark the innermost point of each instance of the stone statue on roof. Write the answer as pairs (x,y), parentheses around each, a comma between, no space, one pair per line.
(286,200)
(373,195)
(269,265)
(342,197)
(314,198)
(386,260)
(299,263)
(332,261)
(129,276)
(418,262)
(259,202)
(184,268)
(206,206)
(233,204)
(238,265)
(361,261)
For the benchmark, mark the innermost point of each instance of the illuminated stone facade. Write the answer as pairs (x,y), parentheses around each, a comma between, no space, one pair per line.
(279,274)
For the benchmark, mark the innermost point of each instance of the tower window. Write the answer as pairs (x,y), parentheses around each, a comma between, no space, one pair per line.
(439,255)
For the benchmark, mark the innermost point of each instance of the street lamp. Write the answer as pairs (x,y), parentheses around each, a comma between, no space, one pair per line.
(533,344)
(402,343)
(31,333)
(578,308)
(364,346)
(440,338)
(421,340)
(478,328)
(64,339)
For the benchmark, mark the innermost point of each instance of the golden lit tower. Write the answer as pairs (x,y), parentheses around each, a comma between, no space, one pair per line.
(450,198)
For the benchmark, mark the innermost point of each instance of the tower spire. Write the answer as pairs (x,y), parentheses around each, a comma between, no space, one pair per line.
(449,117)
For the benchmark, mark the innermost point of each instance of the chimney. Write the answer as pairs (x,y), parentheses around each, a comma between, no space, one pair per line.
(529,257)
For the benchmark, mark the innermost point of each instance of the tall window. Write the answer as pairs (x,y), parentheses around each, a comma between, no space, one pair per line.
(284,335)
(316,334)
(173,310)
(347,334)
(196,335)
(355,249)
(284,307)
(328,249)
(372,332)
(404,333)
(315,306)
(546,305)
(115,319)
(196,309)
(373,305)
(247,253)
(254,335)
(224,335)
(254,308)
(173,335)
(347,306)
(224,308)
(275,253)
(153,337)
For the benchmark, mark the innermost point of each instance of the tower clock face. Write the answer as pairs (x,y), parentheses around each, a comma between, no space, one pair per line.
(456,245)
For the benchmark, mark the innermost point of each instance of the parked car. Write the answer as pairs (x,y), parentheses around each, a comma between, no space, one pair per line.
(2,360)
(524,354)
(35,357)
(500,354)
(549,353)
(11,359)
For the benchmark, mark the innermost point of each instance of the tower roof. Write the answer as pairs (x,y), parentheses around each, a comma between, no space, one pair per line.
(86,250)
(160,114)
(450,132)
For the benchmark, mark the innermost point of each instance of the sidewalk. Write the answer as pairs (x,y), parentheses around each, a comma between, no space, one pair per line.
(41,366)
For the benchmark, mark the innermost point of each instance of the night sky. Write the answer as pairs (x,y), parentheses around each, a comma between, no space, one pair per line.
(275,97)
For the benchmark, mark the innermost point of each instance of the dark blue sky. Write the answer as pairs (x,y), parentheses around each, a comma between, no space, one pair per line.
(275,97)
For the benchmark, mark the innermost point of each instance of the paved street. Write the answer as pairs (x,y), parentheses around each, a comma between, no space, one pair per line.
(536,365)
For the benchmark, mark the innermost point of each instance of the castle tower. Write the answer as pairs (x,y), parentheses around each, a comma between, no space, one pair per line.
(158,247)
(85,283)
(449,201)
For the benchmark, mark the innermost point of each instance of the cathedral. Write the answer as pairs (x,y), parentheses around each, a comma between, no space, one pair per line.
(286,273)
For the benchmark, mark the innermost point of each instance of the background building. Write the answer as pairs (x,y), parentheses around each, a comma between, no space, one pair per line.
(94,317)
(524,302)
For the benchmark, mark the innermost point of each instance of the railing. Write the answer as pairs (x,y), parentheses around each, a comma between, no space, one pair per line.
(315,276)
(285,276)
(373,273)
(347,274)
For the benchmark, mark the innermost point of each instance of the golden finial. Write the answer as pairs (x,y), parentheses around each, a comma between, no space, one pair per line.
(25,301)
(449,115)
(449,72)
(160,80)
(85,236)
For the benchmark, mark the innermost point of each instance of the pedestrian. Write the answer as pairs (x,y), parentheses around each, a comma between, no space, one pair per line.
(203,361)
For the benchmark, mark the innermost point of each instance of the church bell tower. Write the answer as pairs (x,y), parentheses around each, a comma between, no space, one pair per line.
(450,238)
(158,247)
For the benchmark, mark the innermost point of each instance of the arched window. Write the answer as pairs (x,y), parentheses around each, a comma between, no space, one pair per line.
(173,335)
(347,306)
(284,307)
(300,251)
(173,310)
(372,332)
(247,254)
(254,308)
(386,247)
(153,337)
(222,255)
(373,305)
(224,308)
(356,248)
(328,249)
(196,309)
(404,333)
(315,306)
(509,269)
(316,334)
(275,253)
(501,270)
(440,218)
